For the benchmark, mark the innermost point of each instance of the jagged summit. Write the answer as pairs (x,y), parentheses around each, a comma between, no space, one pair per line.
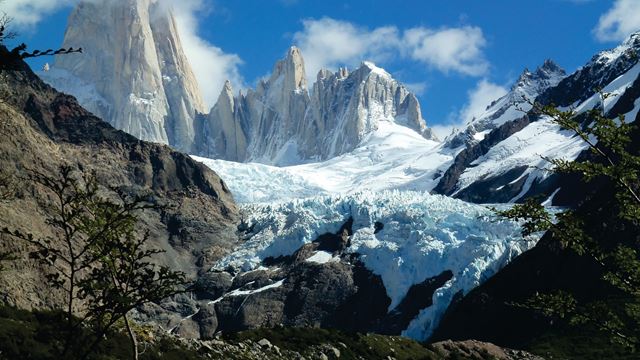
(134,61)
(282,122)
(291,68)
(628,49)
(136,76)
(512,105)
(548,74)
(374,69)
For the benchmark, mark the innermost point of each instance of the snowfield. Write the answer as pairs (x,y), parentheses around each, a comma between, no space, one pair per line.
(529,147)
(392,157)
(423,236)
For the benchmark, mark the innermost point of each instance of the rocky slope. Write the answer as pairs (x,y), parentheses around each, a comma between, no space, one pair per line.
(331,345)
(134,74)
(546,269)
(511,106)
(42,129)
(504,162)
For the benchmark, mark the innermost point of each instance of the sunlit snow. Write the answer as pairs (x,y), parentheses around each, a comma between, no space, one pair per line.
(392,157)
(423,236)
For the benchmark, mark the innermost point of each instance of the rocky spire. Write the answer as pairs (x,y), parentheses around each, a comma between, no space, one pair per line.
(225,137)
(134,59)
(293,70)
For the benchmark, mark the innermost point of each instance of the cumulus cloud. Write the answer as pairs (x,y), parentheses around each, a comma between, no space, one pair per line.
(448,49)
(210,64)
(619,22)
(28,13)
(418,88)
(329,43)
(478,98)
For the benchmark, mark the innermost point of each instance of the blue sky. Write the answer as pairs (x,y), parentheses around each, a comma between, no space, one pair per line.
(457,55)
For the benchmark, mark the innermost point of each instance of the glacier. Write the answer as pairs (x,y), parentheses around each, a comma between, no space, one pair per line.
(423,235)
(391,157)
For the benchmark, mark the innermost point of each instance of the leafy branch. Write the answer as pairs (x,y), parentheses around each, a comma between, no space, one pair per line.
(98,258)
(609,141)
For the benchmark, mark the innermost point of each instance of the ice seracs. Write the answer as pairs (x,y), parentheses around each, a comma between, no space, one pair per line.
(423,235)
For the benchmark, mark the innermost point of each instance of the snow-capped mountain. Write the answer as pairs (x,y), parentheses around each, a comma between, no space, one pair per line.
(134,73)
(136,76)
(333,246)
(497,158)
(282,123)
(507,164)
(512,105)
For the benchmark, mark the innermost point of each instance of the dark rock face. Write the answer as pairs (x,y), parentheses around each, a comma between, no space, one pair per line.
(463,160)
(488,313)
(419,296)
(498,189)
(595,75)
(42,129)
(579,86)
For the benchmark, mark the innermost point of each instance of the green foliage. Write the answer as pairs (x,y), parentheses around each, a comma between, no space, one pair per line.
(99,260)
(36,335)
(536,218)
(609,141)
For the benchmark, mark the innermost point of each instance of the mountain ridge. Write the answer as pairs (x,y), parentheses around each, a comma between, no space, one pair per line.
(150,91)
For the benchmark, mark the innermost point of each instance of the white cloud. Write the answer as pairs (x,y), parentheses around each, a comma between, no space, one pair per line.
(418,88)
(448,49)
(478,98)
(26,13)
(210,64)
(329,43)
(619,22)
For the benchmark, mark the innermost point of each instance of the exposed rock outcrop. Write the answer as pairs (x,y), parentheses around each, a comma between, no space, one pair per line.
(136,76)
(281,122)
(42,129)
(134,66)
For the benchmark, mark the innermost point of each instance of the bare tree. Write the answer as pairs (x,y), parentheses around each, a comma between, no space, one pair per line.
(5,21)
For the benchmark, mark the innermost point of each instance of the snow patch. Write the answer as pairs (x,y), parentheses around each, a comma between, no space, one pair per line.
(238,292)
(322,257)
